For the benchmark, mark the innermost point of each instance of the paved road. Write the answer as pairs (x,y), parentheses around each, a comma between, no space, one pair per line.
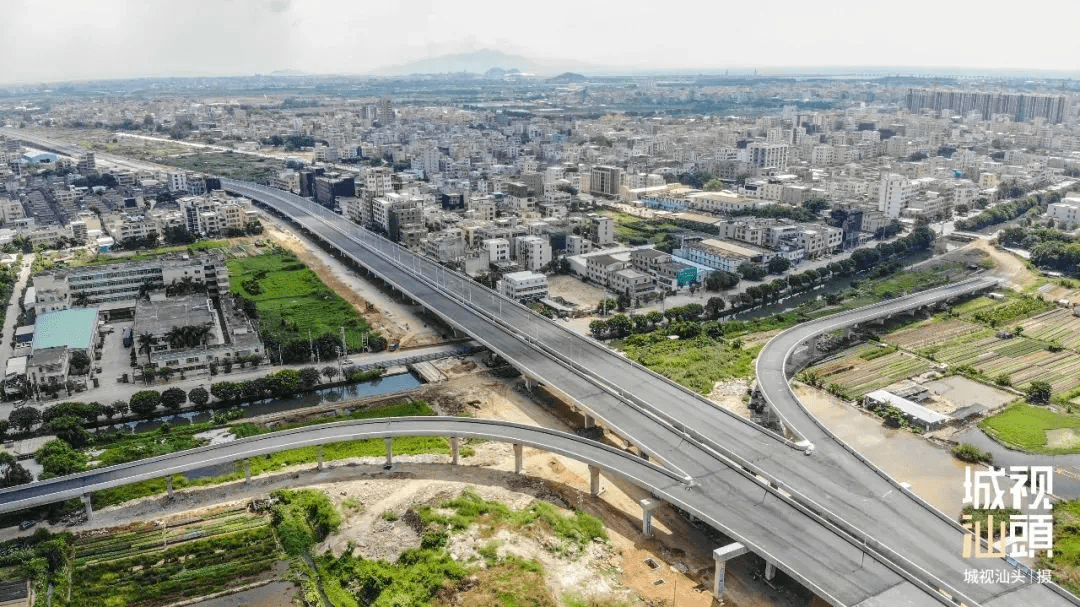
(11,317)
(851,494)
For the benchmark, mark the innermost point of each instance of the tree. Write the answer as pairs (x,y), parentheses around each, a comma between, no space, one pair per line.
(24,418)
(714,306)
(146,344)
(751,271)
(173,399)
(654,318)
(80,299)
(598,328)
(149,373)
(121,407)
(198,397)
(80,363)
(70,430)
(11,472)
(4,427)
(329,372)
(714,185)
(166,372)
(144,402)
(58,458)
(816,205)
(1039,392)
(309,376)
(721,280)
(619,326)
(778,265)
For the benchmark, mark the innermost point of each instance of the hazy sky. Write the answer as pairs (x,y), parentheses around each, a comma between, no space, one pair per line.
(47,40)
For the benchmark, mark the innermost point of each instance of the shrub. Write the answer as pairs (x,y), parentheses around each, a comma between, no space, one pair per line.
(970,453)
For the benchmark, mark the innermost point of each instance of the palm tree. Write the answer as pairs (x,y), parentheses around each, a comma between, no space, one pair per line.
(175,336)
(146,343)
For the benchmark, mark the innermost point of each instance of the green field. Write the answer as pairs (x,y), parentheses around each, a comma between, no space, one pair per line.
(292,300)
(1024,426)
(696,363)
(226,164)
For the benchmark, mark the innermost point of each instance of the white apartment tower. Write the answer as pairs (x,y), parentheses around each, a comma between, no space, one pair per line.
(894,194)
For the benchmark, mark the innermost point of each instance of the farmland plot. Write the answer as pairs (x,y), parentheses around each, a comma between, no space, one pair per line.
(856,375)
(931,333)
(1024,360)
(154,566)
(1055,326)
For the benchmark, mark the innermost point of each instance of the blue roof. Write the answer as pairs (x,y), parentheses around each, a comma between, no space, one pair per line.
(71,328)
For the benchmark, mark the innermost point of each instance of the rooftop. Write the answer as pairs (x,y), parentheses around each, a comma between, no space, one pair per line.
(72,328)
(158,317)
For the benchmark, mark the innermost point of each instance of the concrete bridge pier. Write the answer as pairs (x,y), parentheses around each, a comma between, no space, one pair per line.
(590,421)
(594,481)
(247,471)
(770,570)
(168,486)
(454,444)
(519,459)
(389,453)
(721,556)
(319,466)
(88,506)
(648,505)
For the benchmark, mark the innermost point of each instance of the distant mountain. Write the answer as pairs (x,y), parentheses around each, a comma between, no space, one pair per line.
(568,77)
(488,62)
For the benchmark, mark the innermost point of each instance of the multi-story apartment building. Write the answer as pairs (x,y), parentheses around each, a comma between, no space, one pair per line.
(601,230)
(1067,210)
(605,180)
(533,252)
(524,286)
(894,194)
(767,155)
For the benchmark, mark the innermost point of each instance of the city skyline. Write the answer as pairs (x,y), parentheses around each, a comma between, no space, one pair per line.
(64,41)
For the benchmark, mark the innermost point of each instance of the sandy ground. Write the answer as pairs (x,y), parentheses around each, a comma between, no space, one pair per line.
(394,319)
(572,289)
(1006,265)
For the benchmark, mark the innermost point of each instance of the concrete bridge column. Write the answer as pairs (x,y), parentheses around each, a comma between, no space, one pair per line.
(721,556)
(454,443)
(590,421)
(519,460)
(168,486)
(647,507)
(770,570)
(389,453)
(594,481)
(319,466)
(247,471)
(88,506)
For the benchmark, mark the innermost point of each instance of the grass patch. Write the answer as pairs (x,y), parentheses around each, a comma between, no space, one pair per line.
(226,164)
(1065,564)
(577,529)
(303,518)
(511,583)
(696,363)
(291,300)
(1023,426)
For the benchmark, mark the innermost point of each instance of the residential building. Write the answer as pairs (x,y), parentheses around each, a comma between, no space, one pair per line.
(720,254)
(894,194)
(533,252)
(601,230)
(524,286)
(605,181)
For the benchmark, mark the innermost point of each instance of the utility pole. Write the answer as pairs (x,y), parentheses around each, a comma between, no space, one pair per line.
(311,347)
(344,347)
